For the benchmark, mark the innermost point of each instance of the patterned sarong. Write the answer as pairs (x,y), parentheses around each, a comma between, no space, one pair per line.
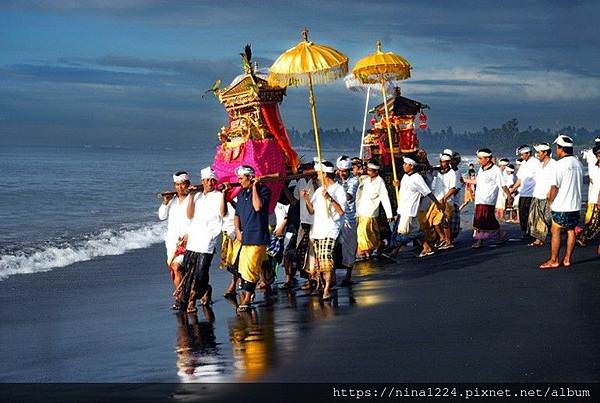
(592,227)
(348,243)
(455,221)
(540,219)
(566,220)
(324,254)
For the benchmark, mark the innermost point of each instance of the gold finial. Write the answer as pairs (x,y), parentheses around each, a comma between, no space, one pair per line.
(305,34)
(378,46)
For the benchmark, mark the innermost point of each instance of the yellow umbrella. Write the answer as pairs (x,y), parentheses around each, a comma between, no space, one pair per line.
(305,64)
(381,67)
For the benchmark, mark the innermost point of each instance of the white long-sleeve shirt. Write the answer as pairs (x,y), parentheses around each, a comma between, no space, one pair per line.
(372,192)
(178,224)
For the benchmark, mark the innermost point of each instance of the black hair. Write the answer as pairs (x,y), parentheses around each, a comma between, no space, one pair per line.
(567,150)
(181,173)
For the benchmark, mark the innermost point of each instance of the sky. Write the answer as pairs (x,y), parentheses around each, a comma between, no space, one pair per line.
(133,71)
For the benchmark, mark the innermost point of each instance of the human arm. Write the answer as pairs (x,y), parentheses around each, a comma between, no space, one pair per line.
(336,206)
(309,206)
(191,207)
(257,202)
(385,200)
(163,210)
(238,230)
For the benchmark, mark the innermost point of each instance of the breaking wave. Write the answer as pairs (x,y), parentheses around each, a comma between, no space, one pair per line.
(106,243)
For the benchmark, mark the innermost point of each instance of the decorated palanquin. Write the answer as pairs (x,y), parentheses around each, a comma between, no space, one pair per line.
(403,113)
(255,134)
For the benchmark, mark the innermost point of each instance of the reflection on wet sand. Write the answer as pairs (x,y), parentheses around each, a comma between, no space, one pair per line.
(261,338)
(197,348)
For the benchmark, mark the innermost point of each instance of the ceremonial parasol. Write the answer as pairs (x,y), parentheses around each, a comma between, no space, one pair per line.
(353,84)
(305,64)
(381,67)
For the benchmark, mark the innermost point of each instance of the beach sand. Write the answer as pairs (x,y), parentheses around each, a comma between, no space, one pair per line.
(463,316)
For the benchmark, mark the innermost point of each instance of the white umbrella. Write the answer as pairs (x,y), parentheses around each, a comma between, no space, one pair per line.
(354,85)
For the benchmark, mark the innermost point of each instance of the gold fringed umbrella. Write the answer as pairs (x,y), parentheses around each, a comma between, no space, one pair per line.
(381,67)
(306,64)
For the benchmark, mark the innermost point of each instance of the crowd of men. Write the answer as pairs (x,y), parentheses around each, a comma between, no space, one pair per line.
(336,214)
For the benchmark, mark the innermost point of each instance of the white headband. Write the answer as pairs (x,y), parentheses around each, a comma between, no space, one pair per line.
(448,151)
(483,154)
(524,150)
(564,141)
(319,167)
(503,163)
(541,147)
(597,139)
(509,169)
(207,173)
(344,164)
(410,161)
(181,178)
(370,165)
(244,170)
(443,157)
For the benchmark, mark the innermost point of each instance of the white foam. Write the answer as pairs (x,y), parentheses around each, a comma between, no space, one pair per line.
(107,243)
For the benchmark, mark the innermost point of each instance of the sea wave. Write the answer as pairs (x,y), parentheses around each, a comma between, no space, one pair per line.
(106,243)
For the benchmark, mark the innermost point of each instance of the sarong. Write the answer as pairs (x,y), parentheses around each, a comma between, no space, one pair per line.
(229,251)
(588,212)
(367,232)
(303,250)
(591,230)
(540,219)
(566,220)
(408,230)
(469,194)
(524,207)
(195,280)
(324,254)
(250,263)
(348,243)
(485,224)
(455,221)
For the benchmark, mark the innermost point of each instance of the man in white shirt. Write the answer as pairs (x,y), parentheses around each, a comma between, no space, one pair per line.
(174,208)
(206,211)
(443,188)
(508,181)
(327,204)
(371,193)
(347,237)
(590,158)
(488,183)
(591,230)
(565,199)
(540,214)
(525,184)
(412,189)
(454,220)
(304,253)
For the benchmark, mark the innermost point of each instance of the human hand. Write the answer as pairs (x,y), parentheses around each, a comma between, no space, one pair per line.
(167,198)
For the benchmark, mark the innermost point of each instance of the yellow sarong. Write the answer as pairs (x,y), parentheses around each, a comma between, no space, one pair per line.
(251,258)
(367,232)
(588,212)
(229,251)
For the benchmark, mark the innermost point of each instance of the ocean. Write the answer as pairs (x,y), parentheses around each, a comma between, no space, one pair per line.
(63,205)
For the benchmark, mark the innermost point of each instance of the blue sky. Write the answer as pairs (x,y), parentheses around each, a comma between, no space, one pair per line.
(129,71)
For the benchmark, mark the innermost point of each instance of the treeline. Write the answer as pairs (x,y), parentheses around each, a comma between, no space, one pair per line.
(502,139)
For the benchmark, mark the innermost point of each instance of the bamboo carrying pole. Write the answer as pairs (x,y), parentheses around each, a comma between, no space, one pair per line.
(389,130)
(364,128)
(313,112)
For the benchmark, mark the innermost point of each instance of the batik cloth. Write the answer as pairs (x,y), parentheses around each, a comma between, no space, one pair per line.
(195,279)
(565,219)
(591,230)
(454,221)
(540,219)
(348,243)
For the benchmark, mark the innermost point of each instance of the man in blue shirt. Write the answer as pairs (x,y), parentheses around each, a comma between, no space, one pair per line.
(252,230)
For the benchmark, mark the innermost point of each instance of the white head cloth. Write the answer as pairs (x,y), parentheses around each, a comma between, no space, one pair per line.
(344,164)
(244,170)
(181,178)
(443,157)
(483,153)
(410,161)
(524,150)
(542,147)
(371,165)
(320,167)
(510,170)
(503,162)
(448,151)
(597,139)
(564,141)
(207,173)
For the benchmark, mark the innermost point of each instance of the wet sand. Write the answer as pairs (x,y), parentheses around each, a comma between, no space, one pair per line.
(463,316)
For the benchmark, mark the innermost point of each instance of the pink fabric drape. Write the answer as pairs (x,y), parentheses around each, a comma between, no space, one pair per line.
(270,113)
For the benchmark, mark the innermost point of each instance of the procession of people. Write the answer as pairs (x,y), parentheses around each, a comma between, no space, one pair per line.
(328,217)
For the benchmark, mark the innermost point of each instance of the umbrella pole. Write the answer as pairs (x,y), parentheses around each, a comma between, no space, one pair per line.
(364,128)
(389,130)
(313,112)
